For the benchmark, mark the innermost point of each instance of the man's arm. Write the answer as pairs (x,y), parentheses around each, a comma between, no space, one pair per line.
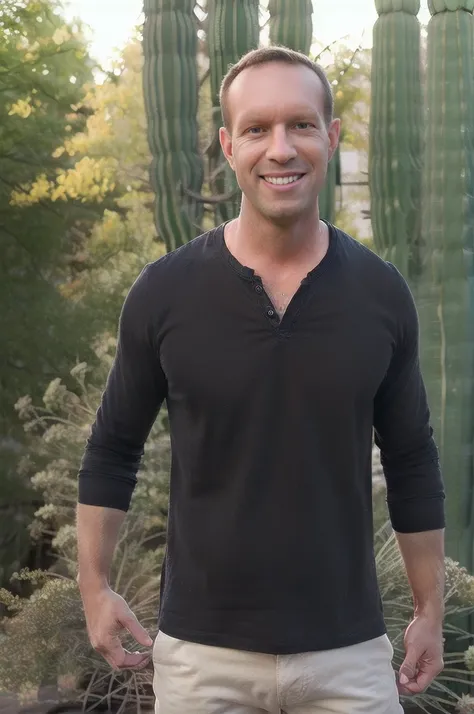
(423,555)
(107,614)
(135,390)
(415,495)
(97,534)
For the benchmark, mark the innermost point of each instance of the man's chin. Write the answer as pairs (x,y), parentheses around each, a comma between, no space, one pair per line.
(283,215)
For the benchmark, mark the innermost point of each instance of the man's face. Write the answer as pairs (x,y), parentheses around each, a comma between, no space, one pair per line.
(279,145)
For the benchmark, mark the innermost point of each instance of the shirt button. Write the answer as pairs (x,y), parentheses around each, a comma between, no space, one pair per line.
(258,289)
(270,312)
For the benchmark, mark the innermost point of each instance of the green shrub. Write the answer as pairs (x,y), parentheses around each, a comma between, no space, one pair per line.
(44,638)
(398,611)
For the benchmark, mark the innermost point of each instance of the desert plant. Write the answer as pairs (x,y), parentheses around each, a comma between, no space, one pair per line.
(44,637)
(444,291)
(397,601)
(291,24)
(396,125)
(171,88)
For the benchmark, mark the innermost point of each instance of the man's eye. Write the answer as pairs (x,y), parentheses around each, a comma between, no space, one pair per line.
(303,124)
(254,130)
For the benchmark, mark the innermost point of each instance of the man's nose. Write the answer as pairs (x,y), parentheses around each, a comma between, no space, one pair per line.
(280,147)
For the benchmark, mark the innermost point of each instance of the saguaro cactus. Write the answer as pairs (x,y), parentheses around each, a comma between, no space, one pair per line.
(291,24)
(396,125)
(445,291)
(170,86)
(233,30)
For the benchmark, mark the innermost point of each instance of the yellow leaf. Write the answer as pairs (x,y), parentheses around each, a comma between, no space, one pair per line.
(22,108)
(58,152)
(59,192)
(61,35)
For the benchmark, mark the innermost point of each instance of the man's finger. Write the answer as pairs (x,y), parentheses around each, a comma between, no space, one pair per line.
(421,681)
(424,679)
(135,660)
(407,672)
(131,623)
(123,659)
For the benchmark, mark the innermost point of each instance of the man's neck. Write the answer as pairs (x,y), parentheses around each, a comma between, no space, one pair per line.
(256,241)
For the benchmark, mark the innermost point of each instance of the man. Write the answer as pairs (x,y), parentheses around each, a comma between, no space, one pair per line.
(278,343)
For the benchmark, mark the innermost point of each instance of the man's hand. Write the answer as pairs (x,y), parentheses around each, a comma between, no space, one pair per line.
(424,654)
(107,615)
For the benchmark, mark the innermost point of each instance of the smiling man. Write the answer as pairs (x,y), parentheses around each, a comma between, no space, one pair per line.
(280,345)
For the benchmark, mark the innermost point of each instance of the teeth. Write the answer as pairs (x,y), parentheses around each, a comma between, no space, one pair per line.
(282,181)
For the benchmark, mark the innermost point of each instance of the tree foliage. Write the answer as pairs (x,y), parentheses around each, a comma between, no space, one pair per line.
(43,69)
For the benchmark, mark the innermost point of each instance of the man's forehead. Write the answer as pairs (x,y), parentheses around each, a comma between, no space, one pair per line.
(279,78)
(268,100)
(284,71)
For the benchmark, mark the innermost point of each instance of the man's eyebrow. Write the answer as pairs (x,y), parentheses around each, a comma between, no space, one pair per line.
(298,115)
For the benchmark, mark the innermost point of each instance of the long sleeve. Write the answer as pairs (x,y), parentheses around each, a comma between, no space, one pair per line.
(409,455)
(134,393)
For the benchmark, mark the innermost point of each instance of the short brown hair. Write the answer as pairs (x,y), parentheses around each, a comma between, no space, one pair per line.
(275,53)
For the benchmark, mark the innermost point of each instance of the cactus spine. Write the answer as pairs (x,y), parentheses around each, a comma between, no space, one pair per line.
(170,86)
(396,124)
(233,30)
(445,293)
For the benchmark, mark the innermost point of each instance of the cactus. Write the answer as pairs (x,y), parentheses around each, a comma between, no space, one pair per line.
(445,290)
(291,24)
(233,30)
(170,87)
(396,125)
(327,197)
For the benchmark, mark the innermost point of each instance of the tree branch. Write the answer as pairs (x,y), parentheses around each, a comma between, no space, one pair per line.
(349,66)
(328,47)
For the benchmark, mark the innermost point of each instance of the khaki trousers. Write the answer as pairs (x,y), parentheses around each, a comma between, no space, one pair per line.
(190,678)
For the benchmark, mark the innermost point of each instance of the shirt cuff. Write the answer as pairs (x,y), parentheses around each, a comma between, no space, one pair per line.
(416,515)
(97,490)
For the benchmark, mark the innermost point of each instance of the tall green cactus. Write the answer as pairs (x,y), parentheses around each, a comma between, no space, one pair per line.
(170,87)
(445,290)
(396,126)
(233,30)
(291,24)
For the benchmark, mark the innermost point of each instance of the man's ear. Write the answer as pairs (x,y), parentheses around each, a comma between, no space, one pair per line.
(334,133)
(226,145)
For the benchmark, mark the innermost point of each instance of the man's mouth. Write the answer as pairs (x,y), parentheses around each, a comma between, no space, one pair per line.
(282,180)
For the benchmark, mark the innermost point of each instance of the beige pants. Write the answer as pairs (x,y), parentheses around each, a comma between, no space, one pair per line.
(197,679)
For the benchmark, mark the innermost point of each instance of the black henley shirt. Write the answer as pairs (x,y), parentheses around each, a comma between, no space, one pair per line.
(270,533)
